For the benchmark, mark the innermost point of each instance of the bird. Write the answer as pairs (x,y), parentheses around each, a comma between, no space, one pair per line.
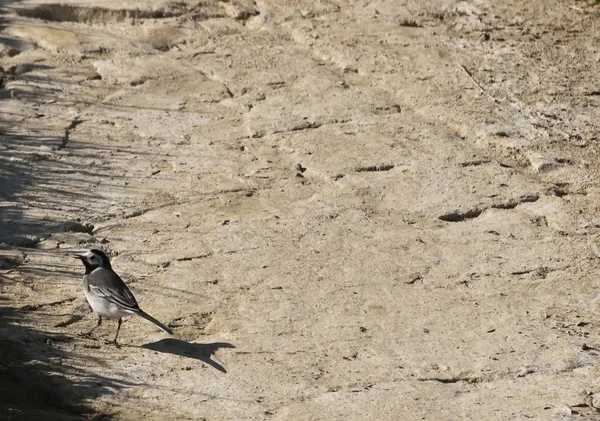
(107,294)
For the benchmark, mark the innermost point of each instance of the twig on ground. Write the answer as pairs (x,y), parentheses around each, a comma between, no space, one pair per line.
(477,83)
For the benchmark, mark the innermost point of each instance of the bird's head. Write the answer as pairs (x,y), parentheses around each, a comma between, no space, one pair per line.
(93,259)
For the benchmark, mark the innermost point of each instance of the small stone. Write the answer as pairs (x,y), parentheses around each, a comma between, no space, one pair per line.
(578,141)
(11,258)
(47,245)
(563,409)
(27,241)
(22,68)
(413,278)
(72,226)
(588,399)
(524,371)
(541,163)
(240,10)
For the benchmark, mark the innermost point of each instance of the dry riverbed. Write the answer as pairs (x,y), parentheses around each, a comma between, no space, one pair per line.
(357,210)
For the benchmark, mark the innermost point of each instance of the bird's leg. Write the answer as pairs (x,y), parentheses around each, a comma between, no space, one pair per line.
(95,327)
(117,335)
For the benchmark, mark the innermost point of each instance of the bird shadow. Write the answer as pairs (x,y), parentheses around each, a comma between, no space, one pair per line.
(202,352)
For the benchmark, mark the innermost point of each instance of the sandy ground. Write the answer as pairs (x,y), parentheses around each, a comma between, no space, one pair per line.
(382,210)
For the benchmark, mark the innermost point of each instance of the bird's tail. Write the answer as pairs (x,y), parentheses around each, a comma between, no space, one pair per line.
(153,320)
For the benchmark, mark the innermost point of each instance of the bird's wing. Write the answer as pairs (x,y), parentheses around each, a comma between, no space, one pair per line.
(107,284)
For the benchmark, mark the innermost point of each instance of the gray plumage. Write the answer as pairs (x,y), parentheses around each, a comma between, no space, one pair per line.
(107,294)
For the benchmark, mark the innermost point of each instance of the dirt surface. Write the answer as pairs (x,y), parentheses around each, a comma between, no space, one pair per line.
(360,210)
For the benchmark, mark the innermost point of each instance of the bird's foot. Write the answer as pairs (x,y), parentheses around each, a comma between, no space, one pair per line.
(115,343)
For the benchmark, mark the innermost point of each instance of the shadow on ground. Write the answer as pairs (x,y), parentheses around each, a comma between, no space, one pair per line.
(202,352)
(36,378)
(37,381)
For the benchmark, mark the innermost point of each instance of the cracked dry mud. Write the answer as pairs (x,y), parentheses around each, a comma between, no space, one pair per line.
(358,210)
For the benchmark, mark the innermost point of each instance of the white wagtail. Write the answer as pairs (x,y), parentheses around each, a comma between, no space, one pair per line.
(107,293)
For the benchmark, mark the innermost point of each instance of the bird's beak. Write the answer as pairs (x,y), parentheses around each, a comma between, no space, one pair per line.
(78,256)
